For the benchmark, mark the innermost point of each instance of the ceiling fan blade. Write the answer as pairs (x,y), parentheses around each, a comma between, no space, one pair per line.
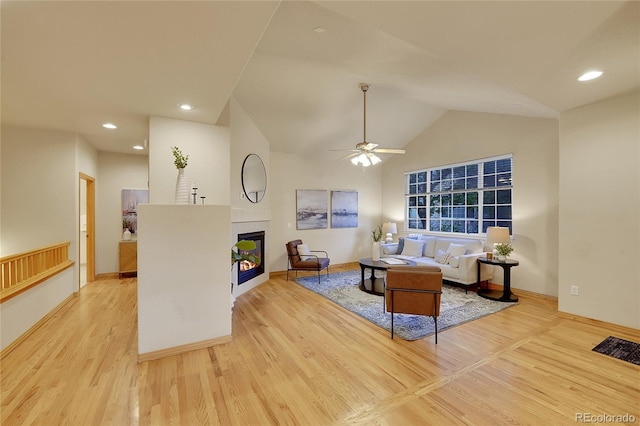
(369,146)
(345,150)
(388,151)
(349,156)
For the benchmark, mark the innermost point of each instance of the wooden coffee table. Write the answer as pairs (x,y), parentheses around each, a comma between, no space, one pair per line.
(372,284)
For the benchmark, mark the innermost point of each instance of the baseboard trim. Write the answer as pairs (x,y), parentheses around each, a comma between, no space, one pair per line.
(35,326)
(177,350)
(107,276)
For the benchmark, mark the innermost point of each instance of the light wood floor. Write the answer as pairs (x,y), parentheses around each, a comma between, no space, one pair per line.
(299,359)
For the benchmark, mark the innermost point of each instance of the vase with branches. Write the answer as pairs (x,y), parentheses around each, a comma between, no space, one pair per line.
(180,161)
(377,237)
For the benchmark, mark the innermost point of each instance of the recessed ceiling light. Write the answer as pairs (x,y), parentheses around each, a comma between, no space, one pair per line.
(109,126)
(319,30)
(590,75)
(185,107)
(138,147)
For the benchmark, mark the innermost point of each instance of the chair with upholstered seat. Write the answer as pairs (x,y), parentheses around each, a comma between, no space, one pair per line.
(301,258)
(414,290)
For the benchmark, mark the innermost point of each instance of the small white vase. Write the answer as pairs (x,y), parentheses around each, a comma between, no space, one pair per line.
(126,235)
(375,251)
(502,257)
(182,189)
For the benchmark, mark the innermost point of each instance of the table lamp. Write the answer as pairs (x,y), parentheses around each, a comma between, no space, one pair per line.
(390,229)
(495,235)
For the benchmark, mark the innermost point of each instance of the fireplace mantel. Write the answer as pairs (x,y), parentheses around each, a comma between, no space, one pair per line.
(239,215)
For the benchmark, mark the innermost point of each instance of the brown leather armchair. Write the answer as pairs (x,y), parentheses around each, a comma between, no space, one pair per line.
(414,290)
(312,261)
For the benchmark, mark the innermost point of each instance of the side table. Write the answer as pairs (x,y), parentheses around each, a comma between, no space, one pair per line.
(505,295)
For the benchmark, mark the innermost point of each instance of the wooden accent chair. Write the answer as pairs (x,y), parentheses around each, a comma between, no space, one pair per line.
(308,262)
(414,290)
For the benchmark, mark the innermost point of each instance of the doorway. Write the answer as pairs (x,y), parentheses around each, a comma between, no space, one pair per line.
(86,231)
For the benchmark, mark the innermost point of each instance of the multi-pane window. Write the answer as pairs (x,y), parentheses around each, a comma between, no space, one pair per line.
(462,198)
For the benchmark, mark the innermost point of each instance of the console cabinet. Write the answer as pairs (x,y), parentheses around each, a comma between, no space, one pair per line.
(128,257)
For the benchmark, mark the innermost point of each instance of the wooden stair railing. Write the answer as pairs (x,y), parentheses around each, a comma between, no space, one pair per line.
(22,271)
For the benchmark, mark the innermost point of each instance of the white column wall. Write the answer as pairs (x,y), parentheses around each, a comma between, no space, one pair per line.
(184,294)
(600,211)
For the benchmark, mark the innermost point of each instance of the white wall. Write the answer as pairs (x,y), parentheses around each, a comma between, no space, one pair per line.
(600,211)
(464,136)
(39,189)
(246,139)
(208,165)
(20,313)
(290,172)
(246,216)
(115,173)
(184,292)
(39,207)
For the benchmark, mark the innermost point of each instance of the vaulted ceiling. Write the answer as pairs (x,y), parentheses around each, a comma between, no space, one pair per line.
(296,66)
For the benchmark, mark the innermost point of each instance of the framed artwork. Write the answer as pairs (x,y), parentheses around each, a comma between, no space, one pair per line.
(311,209)
(130,200)
(344,209)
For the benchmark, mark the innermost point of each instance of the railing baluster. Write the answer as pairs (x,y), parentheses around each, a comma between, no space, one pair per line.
(20,269)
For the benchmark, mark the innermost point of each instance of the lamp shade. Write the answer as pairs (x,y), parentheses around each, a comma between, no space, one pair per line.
(497,234)
(389,228)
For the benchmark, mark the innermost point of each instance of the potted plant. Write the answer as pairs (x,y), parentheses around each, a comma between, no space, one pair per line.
(242,252)
(503,250)
(244,246)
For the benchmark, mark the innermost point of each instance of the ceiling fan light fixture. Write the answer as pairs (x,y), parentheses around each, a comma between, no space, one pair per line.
(374,158)
(364,159)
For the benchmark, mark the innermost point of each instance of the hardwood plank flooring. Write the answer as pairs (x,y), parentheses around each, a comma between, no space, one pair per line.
(298,359)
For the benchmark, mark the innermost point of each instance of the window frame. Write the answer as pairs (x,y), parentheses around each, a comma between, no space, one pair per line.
(431,185)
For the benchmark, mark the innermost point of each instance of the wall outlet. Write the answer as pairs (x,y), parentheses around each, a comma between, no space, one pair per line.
(574,290)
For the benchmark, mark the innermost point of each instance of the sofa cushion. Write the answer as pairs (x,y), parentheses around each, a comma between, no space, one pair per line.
(442,256)
(472,246)
(429,249)
(456,249)
(454,261)
(412,248)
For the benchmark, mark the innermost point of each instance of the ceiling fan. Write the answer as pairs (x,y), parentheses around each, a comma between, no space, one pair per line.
(365,152)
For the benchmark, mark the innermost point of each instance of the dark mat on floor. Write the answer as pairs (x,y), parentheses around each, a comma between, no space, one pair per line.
(620,349)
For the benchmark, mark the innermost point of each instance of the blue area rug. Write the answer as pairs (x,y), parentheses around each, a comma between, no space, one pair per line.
(456,307)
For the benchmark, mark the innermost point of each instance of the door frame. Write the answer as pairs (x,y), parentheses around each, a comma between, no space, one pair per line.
(91,226)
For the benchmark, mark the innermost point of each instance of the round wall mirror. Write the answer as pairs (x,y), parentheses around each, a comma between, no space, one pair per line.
(254,178)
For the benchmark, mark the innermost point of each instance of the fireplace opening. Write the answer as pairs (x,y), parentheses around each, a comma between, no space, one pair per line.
(246,269)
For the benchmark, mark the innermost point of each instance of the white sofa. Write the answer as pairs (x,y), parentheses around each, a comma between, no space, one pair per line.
(459,266)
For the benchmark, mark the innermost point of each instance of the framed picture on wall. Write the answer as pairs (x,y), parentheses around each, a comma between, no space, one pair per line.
(311,209)
(344,209)
(130,200)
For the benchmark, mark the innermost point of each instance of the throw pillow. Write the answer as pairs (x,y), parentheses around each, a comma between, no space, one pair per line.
(400,245)
(454,261)
(412,248)
(456,249)
(442,257)
(304,252)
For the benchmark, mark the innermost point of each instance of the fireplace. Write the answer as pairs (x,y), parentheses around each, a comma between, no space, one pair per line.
(246,269)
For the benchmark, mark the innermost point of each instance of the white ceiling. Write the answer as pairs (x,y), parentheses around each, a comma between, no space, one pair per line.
(74,65)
